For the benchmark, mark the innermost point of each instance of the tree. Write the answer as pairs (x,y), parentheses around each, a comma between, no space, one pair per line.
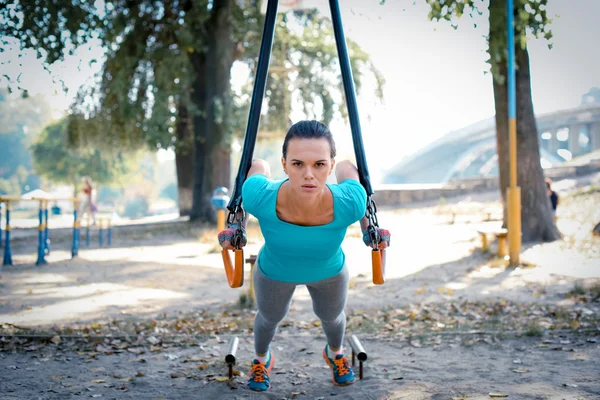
(530,16)
(21,120)
(58,163)
(166,79)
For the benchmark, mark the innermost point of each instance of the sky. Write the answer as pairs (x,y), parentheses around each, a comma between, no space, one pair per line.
(436,78)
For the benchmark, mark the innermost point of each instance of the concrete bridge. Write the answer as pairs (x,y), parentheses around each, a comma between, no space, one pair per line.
(471,152)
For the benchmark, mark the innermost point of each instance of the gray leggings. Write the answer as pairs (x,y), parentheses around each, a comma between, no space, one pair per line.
(273,299)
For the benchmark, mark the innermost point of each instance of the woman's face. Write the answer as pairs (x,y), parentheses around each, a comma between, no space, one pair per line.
(308,164)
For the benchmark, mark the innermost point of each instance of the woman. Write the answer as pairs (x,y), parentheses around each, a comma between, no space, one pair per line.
(86,204)
(303,220)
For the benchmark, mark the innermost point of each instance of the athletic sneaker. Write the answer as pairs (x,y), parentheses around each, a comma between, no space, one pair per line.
(259,374)
(340,369)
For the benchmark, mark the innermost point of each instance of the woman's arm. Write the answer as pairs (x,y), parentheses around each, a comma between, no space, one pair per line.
(259,166)
(346,170)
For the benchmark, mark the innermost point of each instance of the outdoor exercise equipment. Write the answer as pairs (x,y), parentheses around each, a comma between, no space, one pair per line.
(230,357)
(43,248)
(234,270)
(219,201)
(358,351)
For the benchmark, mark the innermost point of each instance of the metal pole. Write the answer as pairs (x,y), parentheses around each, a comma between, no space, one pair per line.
(41,253)
(46,230)
(109,233)
(513,193)
(1,202)
(87,230)
(74,250)
(101,232)
(7,251)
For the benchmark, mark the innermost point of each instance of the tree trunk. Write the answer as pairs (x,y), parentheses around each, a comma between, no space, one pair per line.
(184,161)
(537,220)
(212,97)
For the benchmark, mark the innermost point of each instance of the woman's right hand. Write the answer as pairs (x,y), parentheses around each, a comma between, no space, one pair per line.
(226,237)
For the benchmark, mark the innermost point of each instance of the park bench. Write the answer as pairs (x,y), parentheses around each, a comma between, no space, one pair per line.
(500,234)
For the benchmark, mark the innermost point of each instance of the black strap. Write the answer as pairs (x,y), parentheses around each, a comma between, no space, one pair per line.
(258,95)
(359,150)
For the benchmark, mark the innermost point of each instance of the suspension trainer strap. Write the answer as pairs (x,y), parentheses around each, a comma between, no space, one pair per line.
(359,150)
(377,256)
(255,105)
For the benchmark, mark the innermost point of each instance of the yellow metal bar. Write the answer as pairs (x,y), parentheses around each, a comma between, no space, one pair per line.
(501,245)
(220,220)
(514,198)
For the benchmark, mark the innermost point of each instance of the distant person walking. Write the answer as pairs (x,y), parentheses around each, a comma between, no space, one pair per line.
(86,203)
(553,196)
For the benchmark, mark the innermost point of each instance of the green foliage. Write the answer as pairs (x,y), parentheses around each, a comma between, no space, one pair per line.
(304,63)
(149,71)
(59,163)
(21,120)
(530,18)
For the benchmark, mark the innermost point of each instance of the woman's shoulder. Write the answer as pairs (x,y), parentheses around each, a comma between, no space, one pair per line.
(347,187)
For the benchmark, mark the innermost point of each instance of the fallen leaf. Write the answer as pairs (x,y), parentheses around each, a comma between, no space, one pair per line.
(520,371)
(98,381)
(129,379)
(497,395)
(55,339)
(222,379)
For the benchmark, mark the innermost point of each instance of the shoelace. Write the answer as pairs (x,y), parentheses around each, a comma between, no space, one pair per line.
(258,372)
(342,365)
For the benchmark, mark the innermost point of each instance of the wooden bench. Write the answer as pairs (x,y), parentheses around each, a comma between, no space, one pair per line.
(499,233)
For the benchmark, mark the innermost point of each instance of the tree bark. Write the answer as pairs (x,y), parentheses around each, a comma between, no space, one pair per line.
(184,161)
(211,95)
(537,220)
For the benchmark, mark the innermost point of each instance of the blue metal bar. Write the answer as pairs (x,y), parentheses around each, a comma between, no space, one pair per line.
(7,251)
(256,104)
(87,234)
(74,250)
(340,41)
(512,87)
(40,259)
(101,235)
(109,234)
(1,223)
(46,232)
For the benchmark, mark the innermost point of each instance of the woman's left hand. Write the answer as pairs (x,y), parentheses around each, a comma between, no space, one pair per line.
(384,238)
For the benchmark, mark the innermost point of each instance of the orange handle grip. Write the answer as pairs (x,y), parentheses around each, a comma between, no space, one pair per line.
(378,260)
(235,273)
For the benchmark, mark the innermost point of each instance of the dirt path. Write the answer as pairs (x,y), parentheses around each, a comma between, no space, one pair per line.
(525,368)
(450,322)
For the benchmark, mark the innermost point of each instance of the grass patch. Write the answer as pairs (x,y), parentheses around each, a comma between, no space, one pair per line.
(534,329)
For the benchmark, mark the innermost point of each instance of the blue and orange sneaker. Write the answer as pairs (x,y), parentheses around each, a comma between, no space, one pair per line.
(340,369)
(259,374)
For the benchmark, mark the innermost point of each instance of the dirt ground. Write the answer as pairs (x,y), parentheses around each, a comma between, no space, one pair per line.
(151,316)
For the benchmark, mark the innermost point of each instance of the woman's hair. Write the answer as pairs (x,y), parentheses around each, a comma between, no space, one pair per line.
(308,130)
